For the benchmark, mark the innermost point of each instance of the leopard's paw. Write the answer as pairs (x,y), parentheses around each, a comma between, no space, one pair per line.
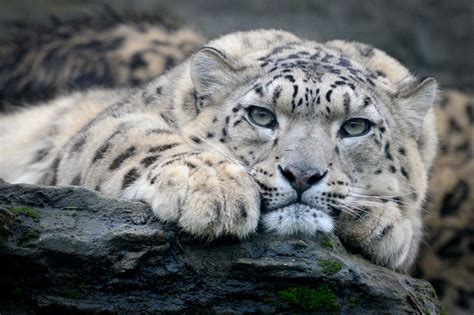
(207,196)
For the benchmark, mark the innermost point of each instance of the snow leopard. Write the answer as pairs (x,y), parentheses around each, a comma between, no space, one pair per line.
(258,127)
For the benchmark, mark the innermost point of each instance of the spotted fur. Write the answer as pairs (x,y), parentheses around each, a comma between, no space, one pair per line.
(41,61)
(185,144)
(447,259)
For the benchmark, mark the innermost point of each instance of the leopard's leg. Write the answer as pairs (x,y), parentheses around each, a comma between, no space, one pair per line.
(142,157)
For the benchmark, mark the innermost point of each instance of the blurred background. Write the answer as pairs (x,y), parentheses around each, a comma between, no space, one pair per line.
(431,37)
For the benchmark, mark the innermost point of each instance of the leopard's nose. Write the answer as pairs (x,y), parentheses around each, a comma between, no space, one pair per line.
(301,179)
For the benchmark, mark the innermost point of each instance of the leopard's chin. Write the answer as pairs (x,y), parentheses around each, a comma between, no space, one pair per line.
(297,218)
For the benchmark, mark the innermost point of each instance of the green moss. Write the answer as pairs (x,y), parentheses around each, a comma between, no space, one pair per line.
(443,311)
(26,211)
(329,267)
(77,292)
(328,243)
(322,298)
(353,302)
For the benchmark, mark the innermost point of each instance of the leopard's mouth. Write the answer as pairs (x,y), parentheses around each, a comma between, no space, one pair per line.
(297,218)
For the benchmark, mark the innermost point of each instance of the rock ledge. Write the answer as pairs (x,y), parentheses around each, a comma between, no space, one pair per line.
(69,250)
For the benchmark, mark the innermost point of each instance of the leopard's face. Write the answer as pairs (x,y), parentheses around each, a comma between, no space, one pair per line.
(316,133)
(313,146)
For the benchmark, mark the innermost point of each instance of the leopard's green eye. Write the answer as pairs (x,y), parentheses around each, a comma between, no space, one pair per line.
(261,117)
(355,127)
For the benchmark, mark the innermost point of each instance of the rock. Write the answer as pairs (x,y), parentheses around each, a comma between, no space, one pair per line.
(69,250)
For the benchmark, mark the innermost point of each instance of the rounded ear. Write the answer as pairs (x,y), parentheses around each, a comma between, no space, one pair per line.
(415,99)
(211,71)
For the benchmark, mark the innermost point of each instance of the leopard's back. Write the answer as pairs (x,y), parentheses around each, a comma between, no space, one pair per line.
(43,60)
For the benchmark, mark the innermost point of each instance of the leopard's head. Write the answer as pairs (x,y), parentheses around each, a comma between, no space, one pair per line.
(338,128)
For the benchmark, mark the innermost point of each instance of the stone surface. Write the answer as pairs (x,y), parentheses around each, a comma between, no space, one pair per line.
(69,250)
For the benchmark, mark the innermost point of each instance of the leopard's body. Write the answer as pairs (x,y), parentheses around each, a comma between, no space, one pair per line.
(188,145)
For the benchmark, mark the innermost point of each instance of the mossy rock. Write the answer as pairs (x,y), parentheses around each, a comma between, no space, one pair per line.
(329,267)
(321,298)
(26,211)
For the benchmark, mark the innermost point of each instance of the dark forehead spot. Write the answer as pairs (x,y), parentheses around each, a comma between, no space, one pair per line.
(236,108)
(367,101)
(276,94)
(273,69)
(346,102)
(295,90)
(388,155)
(344,62)
(328,95)
(404,172)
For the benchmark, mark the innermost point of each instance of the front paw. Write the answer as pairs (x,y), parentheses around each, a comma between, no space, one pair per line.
(207,196)
(388,239)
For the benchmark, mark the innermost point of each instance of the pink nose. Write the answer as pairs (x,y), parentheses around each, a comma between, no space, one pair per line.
(301,180)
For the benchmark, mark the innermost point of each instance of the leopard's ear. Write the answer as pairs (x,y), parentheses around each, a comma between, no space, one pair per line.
(212,72)
(415,99)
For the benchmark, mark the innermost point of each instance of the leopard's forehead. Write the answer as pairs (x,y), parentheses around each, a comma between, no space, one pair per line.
(309,80)
(313,63)
(359,62)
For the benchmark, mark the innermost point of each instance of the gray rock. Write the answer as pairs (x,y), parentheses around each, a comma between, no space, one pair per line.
(69,250)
